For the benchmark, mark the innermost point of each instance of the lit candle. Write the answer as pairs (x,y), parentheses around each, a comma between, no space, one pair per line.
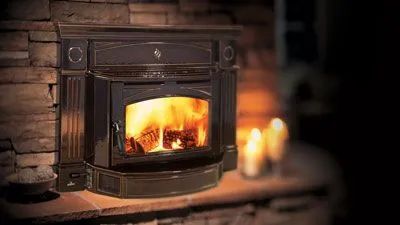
(275,138)
(253,155)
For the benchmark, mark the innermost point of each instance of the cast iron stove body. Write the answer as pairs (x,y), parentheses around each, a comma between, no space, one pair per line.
(146,111)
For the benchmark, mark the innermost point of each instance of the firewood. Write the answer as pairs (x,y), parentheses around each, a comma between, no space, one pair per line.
(133,147)
(188,138)
(148,140)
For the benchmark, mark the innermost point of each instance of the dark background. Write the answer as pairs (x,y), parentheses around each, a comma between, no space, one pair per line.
(361,54)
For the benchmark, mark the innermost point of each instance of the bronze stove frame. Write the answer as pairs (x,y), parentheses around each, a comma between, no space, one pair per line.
(106,67)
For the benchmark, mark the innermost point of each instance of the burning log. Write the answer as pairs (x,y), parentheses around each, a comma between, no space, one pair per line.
(148,140)
(188,138)
(171,140)
(133,147)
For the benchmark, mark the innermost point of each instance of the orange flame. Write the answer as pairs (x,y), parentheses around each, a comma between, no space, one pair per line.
(177,144)
(167,123)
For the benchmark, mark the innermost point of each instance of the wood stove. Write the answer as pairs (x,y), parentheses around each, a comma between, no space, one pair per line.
(146,110)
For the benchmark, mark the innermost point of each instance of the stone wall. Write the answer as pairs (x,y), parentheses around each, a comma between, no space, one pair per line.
(298,210)
(29,65)
(295,211)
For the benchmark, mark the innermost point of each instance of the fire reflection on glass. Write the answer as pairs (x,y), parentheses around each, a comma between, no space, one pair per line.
(165,124)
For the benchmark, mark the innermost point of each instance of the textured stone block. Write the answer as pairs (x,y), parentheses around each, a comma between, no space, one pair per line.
(148,18)
(195,222)
(7,158)
(224,212)
(152,7)
(243,219)
(43,36)
(292,203)
(27,25)
(214,6)
(89,12)
(256,100)
(110,1)
(117,1)
(220,221)
(253,14)
(14,58)
(37,75)
(14,62)
(4,172)
(25,160)
(190,6)
(5,145)
(259,58)
(153,222)
(28,10)
(44,54)
(35,145)
(170,220)
(198,19)
(14,41)
(29,117)
(13,55)
(257,36)
(25,99)
(258,77)
(315,216)
(27,129)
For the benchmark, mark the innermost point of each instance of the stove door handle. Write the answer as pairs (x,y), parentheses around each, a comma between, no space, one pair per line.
(118,136)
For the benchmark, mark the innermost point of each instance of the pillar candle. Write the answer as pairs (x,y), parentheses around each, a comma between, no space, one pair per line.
(253,155)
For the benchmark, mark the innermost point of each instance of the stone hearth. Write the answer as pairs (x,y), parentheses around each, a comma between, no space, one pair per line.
(307,193)
(234,195)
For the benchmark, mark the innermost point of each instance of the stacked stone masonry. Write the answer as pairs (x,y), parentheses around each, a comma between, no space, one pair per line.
(29,63)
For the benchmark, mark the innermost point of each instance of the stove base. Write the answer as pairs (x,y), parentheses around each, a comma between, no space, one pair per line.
(154,184)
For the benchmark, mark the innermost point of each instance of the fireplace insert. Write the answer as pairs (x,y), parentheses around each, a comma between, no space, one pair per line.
(146,111)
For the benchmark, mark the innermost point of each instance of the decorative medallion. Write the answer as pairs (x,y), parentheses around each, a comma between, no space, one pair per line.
(157,54)
(75,54)
(228,53)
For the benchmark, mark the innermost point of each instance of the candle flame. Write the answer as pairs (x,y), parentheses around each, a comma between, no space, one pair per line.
(254,141)
(255,134)
(277,124)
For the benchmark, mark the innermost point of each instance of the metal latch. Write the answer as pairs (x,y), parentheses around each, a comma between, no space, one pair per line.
(118,136)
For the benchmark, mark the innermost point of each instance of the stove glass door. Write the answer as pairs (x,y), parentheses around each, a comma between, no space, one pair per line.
(166,125)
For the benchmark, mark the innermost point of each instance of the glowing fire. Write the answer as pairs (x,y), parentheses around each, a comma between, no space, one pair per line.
(162,124)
